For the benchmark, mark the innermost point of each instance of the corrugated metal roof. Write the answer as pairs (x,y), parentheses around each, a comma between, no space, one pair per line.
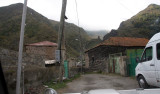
(43,43)
(125,41)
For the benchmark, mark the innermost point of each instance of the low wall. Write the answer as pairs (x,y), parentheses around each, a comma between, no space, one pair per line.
(33,76)
(35,72)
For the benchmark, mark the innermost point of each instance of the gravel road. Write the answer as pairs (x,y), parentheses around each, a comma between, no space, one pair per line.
(99,81)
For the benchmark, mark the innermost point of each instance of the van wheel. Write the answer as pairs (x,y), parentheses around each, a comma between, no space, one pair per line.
(142,82)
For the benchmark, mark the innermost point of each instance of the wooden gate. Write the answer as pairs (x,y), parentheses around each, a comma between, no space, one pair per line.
(114,66)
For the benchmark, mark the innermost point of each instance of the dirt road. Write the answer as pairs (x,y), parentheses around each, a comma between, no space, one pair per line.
(99,81)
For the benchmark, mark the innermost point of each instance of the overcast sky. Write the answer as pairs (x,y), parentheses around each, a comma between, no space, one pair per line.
(93,14)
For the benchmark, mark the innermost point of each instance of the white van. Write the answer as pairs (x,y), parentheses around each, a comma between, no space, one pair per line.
(148,68)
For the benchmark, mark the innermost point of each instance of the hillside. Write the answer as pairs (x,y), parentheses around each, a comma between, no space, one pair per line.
(38,28)
(144,25)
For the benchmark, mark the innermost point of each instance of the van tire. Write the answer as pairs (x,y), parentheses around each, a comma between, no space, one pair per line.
(142,82)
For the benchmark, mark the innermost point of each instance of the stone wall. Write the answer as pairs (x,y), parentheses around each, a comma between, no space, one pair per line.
(47,51)
(99,66)
(33,76)
(86,60)
(10,58)
(97,59)
(35,72)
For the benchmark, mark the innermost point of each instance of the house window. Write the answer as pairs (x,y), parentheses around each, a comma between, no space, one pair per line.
(158,51)
(147,55)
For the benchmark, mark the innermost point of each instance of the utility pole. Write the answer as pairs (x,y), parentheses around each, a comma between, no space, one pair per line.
(21,48)
(61,40)
(81,50)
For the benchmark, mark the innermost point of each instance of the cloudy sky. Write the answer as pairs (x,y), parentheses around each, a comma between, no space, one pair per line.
(93,14)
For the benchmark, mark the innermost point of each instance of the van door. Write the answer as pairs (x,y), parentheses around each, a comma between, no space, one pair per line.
(149,65)
(158,63)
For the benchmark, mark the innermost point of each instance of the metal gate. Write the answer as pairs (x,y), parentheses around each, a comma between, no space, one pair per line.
(66,68)
(131,63)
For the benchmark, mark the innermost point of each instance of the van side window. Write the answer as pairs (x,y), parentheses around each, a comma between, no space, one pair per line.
(158,51)
(147,55)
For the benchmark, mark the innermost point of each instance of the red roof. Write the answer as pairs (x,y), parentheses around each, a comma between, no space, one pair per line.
(125,41)
(43,43)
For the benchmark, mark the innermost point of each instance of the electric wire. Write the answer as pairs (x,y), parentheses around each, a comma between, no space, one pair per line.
(125,7)
(80,37)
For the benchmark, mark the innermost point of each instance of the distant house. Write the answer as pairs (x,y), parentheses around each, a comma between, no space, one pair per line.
(116,55)
(45,48)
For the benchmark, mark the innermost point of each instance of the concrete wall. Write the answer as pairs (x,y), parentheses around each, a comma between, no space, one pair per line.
(123,66)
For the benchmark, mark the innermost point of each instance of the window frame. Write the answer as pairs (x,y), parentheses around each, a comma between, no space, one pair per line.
(144,53)
(158,58)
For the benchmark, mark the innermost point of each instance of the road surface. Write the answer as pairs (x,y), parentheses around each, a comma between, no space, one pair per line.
(99,81)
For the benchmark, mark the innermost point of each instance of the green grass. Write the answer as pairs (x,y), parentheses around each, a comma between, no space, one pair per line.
(63,84)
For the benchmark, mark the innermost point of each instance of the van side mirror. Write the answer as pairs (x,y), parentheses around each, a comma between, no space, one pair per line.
(137,59)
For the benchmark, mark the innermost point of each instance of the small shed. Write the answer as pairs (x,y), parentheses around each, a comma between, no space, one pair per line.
(45,48)
(116,55)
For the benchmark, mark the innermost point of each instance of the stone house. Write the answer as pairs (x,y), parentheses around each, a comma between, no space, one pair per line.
(116,55)
(44,48)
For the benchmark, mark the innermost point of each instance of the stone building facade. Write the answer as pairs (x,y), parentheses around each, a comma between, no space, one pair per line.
(113,55)
(44,48)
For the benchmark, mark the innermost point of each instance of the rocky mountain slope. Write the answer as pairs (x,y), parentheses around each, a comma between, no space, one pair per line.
(144,25)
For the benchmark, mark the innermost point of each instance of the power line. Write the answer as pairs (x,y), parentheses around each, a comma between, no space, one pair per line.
(80,37)
(125,7)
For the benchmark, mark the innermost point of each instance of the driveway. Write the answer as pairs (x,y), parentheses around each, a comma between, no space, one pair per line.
(99,81)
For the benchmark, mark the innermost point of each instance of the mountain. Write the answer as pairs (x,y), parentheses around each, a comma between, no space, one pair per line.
(144,24)
(73,39)
(95,34)
(38,28)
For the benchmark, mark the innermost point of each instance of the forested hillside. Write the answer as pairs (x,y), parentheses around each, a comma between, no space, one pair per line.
(38,28)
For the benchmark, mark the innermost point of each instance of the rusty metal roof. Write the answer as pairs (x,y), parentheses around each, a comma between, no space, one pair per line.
(43,43)
(125,41)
